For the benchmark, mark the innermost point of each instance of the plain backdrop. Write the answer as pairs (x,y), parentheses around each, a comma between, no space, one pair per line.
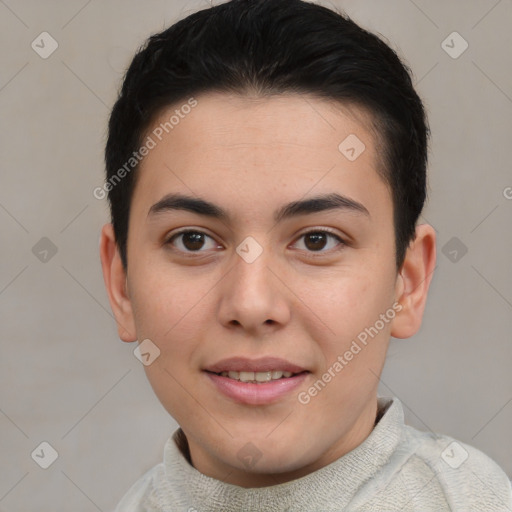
(67,379)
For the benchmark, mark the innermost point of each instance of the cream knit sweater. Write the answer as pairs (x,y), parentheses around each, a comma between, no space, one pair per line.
(396,468)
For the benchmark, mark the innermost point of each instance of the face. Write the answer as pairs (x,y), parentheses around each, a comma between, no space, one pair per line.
(260,278)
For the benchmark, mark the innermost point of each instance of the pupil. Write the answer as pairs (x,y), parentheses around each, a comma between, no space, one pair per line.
(193,240)
(318,240)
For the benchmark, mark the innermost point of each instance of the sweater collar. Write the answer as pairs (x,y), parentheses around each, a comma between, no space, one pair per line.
(314,491)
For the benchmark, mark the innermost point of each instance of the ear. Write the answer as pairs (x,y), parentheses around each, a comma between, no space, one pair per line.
(413,282)
(114,276)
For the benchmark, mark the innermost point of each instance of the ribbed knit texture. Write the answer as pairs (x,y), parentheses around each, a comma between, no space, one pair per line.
(396,468)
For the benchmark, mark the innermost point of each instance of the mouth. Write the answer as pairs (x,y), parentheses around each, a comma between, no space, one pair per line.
(263,369)
(258,377)
(255,381)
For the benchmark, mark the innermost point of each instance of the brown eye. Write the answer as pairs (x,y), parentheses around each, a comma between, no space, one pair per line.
(191,241)
(316,241)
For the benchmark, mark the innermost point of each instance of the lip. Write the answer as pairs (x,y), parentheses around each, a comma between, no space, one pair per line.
(256,394)
(263,364)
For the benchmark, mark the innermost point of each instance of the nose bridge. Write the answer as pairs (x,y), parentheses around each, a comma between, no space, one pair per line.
(251,294)
(251,275)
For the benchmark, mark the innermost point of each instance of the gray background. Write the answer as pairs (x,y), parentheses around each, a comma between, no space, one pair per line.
(65,378)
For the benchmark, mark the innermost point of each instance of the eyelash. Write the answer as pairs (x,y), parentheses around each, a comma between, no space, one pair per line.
(342,242)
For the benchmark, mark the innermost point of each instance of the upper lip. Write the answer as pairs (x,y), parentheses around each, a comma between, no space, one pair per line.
(263,364)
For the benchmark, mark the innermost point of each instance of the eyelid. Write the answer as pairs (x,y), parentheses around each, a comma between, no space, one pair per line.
(187,229)
(321,229)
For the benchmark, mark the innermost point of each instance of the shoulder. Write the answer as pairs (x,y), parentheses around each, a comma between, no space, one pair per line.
(469,478)
(135,498)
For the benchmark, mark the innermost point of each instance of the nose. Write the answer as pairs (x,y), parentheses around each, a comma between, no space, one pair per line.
(254,296)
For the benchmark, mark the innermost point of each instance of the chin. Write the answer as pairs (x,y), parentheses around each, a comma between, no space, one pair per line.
(261,460)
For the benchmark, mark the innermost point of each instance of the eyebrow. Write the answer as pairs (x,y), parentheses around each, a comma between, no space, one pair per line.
(311,205)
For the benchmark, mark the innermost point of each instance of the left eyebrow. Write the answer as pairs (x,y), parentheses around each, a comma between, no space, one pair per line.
(311,205)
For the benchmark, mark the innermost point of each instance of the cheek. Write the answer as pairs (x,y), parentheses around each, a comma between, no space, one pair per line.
(339,299)
(169,312)
(164,304)
(343,306)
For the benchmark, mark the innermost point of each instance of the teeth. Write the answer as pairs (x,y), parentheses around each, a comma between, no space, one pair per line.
(257,377)
(263,376)
(246,376)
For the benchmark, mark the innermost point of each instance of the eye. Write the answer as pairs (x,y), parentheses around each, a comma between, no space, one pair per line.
(191,241)
(315,241)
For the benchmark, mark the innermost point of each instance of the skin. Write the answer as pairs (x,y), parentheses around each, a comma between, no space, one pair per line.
(299,301)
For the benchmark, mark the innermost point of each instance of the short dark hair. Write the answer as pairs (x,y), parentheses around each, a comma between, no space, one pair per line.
(272,47)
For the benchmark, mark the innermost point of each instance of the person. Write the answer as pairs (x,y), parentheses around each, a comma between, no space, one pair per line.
(266,170)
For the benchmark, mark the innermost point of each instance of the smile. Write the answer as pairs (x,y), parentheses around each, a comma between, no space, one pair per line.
(256,392)
(257,377)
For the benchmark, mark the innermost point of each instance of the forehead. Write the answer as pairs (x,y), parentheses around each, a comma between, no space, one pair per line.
(254,150)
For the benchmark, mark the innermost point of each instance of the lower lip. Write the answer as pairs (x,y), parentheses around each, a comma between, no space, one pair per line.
(256,394)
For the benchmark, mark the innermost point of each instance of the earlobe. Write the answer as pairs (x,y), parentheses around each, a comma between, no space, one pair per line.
(413,282)
(116,283)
